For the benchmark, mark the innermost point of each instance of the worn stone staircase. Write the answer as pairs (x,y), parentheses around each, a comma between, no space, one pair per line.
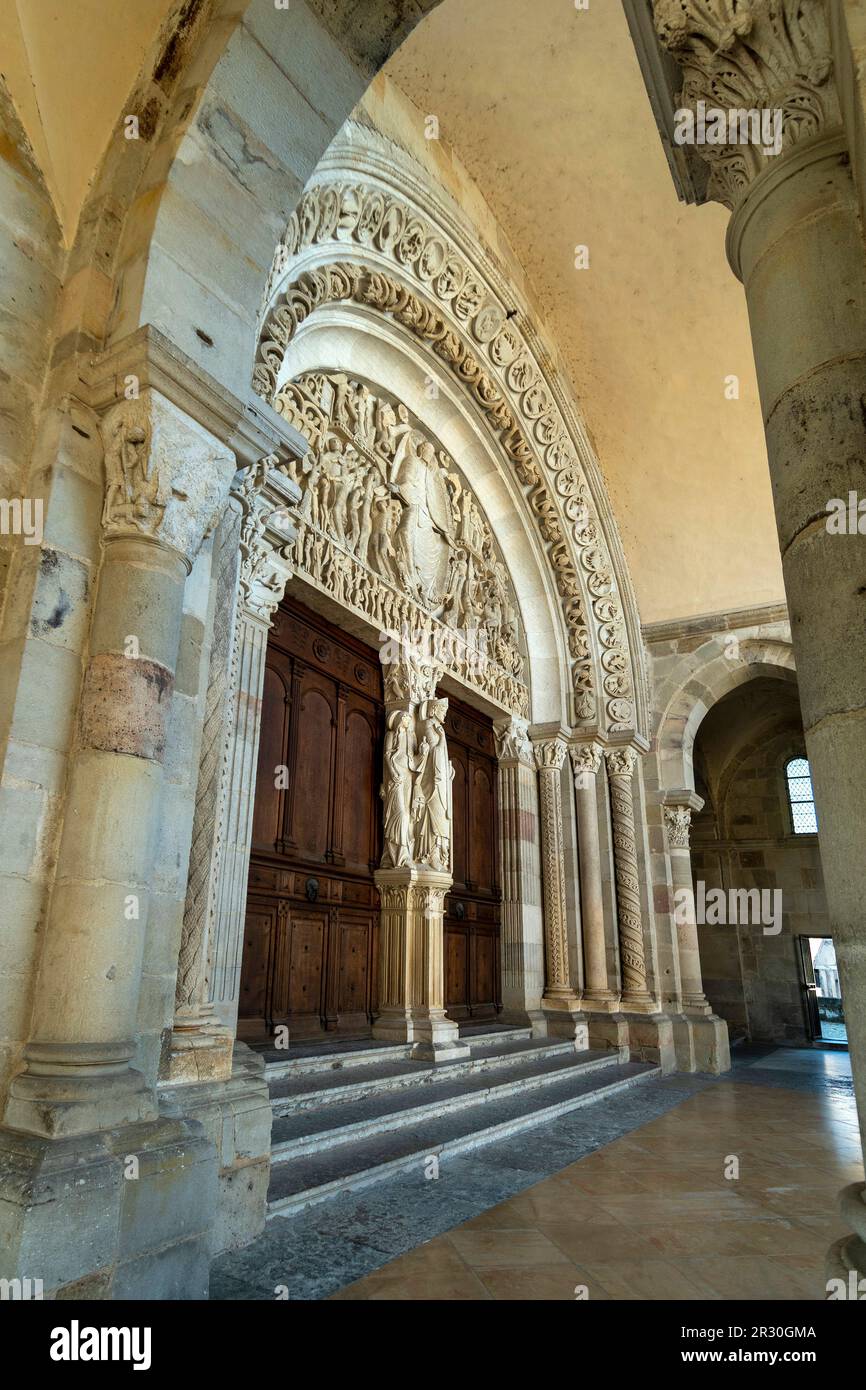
(347,1115)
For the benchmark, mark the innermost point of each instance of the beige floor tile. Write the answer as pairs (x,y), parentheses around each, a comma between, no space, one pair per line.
(505,1249)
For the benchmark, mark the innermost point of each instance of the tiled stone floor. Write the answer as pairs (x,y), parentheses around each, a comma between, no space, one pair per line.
(628,1199)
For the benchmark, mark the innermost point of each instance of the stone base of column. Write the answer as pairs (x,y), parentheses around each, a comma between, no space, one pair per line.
(412,965)
(565,1019)
(516,1017)
(236,1116)
(648,1037)
(77,1088)
(433,1039)
(117,1214)
(701,1043)
(200,1052)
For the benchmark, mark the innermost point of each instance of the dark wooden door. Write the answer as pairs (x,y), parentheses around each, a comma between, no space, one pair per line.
(473,907)
(312,908)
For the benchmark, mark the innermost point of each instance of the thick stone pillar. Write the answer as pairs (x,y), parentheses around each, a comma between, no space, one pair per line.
(522,922)
(560,1002)
(598,995)
(708,1043)
(66,1209)
(416,862)
(795,241)
(251,577)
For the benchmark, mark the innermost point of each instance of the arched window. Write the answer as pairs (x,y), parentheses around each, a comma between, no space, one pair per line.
(801,798)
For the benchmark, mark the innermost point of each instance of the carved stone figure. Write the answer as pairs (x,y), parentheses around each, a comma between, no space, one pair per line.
(431,802)
(396,791)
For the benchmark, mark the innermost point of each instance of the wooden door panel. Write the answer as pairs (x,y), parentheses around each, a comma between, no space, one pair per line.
(485,983)
(259,935)
(306,965)
(314,755)
(353,976)
(460,804)
(272,755)
(359,800)
(457,971)
(483,828)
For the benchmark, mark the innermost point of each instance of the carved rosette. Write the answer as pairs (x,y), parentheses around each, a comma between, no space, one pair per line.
(763,55)
(678,819)
(620,769)
(166,477)
(452,307)
(549,759)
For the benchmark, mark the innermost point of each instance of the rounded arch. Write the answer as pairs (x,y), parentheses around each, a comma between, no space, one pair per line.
(372,230)
(697,683)
(354,340)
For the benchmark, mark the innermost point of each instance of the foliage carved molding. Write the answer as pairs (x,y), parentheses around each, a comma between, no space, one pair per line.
(399,263)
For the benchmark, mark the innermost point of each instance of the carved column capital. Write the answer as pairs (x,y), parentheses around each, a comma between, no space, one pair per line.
(585,762)
(621,762)
(766,56)
(678,819)
(513,744)
(264,538)
(410,675)
(549,754)
(166,477)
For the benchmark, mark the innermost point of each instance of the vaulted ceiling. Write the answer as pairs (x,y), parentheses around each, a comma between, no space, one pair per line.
(545,107)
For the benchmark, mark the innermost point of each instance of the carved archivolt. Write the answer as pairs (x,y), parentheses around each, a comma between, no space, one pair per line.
(431,288)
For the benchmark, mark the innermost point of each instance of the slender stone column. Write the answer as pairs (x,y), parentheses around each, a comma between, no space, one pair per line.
(251,577)
(586,761)
(795,241)
(166,476)
(560,999)
(522,924)
(678,818)
(621,764)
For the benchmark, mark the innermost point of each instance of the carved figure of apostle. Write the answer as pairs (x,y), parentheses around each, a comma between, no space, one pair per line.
(431,797)
(380,552)
(396,791)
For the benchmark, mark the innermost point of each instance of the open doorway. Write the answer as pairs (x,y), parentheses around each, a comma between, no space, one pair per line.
(823,993)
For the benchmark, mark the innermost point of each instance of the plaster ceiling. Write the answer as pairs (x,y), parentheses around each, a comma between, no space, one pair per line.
(545,106)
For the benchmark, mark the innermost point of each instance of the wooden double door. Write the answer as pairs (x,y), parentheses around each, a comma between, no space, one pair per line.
(312,924)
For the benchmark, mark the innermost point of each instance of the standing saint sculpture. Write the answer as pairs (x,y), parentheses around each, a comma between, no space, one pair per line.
(396,791)
(431,798)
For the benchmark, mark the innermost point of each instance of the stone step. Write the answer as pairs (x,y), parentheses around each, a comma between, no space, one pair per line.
(382,1111)
(311,1091)
(311,1178)
(306,1059)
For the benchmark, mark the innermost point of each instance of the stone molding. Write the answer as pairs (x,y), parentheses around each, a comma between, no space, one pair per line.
(455,304)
